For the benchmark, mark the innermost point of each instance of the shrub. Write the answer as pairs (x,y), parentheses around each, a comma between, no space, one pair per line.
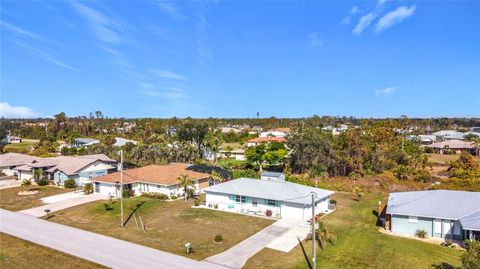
(333,202)
(423,176)
(218,238)
(197,203)
(421,233)
(471,257)
(155,195)
(69,183)
(88,188)
(268,213)
(173,197)
(108,206)
(126,193)
(26,182)
(42,182)
(215,206)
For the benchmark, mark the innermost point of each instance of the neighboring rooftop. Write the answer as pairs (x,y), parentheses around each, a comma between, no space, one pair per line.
(120,142)
(267,139)
(274,190)
(15,159)
(453,144)
(442,204)
(156,174)
(271,174)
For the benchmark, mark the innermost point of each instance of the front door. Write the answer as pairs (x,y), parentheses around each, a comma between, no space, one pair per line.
(97,186)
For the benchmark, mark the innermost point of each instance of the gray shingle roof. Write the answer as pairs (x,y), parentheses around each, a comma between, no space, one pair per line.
(14,159)
(271,174)
(441,204)
(274,190)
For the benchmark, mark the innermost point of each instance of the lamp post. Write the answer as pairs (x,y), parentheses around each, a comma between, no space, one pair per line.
(121,188)
(314,254)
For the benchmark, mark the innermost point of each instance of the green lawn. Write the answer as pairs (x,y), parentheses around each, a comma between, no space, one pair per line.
(18,253)
(233,145)
(23,147)
(169,225)
(359,243)
(10,200)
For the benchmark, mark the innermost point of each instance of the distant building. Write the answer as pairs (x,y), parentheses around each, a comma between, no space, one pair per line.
(84,142)
(449,135)
(277,176)
(11,139)
(226,130)
(424,139)
(456,146)
(259,140)
(273,133)
(120,142)
(336,130)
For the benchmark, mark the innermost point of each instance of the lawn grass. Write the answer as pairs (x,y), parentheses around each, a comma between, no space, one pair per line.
(18,253)
(23,147)
(436,158)
(169,225)
(233,145)
(10,200)
(359,243)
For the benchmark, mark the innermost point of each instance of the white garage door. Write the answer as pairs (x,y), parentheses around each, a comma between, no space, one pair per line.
(292,211)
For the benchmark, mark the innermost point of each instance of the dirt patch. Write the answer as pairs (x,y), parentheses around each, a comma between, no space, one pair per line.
(24,193)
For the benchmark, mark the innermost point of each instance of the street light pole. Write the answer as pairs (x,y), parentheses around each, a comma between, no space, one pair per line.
(121,188)
(314,254)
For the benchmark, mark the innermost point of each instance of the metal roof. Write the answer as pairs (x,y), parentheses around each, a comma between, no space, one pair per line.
(472,221)
(266,189)
(442,204)
(86,140)
(271,174)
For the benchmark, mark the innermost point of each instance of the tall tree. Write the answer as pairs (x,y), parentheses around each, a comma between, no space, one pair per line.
(185,182)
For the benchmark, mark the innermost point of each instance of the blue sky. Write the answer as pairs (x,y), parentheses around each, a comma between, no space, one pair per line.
(232,59)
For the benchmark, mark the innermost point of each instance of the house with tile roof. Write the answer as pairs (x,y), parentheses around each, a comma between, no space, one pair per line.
(259,140)
(441,213)
(454,145)
(152,178)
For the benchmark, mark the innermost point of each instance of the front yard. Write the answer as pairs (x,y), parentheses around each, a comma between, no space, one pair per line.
(18,253)
(168,225)
(10,200)
(359,243)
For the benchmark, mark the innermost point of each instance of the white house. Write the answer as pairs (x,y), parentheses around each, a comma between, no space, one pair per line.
(152,178)
(273,133)
(281,198)
(259,140)
(84,142)
(120,142)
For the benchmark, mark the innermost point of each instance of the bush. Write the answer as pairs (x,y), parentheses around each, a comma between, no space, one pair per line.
(423,176)
(108,206)
(333,202)
(155,195)
(421,234)
(69,183)
(42,182)
(26,182)
(126,193)
(268,213)
(197,203)
(215,206)
(88,188)
(218,238)
(173,197)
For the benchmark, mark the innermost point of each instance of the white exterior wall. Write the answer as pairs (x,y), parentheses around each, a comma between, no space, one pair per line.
(107,189)
(273,133)
(7,171)
(168,190)
(25,175)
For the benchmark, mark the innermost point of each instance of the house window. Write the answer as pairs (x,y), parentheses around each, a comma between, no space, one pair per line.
(240,199)
(255,204)
(412,219)
(159,186)
(271,202)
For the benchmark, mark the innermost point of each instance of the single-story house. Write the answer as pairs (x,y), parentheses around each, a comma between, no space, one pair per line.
(84,142)
(258,196)
(237,154)
(455,145)
(259,140)
(273,133)
(82,169)
(11,139)
(423,139)
(449,135)
(441,213)
(9,161)
(152,178)
(226,130)
(267,175)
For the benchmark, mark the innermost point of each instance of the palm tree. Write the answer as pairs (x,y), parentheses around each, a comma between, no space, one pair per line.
(37,174)
(185,182)
(216,177)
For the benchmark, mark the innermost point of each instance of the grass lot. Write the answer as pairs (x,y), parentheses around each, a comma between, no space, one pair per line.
(18,253)
(233,145)
(10,200)
(442,158)
(359,243)
(169,225)
(20,147)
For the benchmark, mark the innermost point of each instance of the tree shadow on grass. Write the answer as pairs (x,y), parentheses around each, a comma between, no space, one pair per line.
(444,265)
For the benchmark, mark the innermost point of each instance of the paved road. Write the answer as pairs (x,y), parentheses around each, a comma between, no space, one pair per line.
(97,248)
(237,256)
(70,201)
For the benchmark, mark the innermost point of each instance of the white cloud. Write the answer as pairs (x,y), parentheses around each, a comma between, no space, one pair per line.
(170,10)
(46,56)
(394,17)
(105,29)
(364,22)
(168,74)
(352,12)
(386,91)
(15,112)
(19,31)
(315,40)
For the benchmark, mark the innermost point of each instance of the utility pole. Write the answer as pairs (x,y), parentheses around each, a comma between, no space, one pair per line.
(121,188)
(314,254)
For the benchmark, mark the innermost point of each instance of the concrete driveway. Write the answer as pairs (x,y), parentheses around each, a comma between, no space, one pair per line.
(104,250)
(62,201)
(275,235)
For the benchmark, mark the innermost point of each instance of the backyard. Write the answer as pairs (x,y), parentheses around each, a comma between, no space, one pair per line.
(359,244)
(18,253)
(169,225)
(24,147)
(10,200)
